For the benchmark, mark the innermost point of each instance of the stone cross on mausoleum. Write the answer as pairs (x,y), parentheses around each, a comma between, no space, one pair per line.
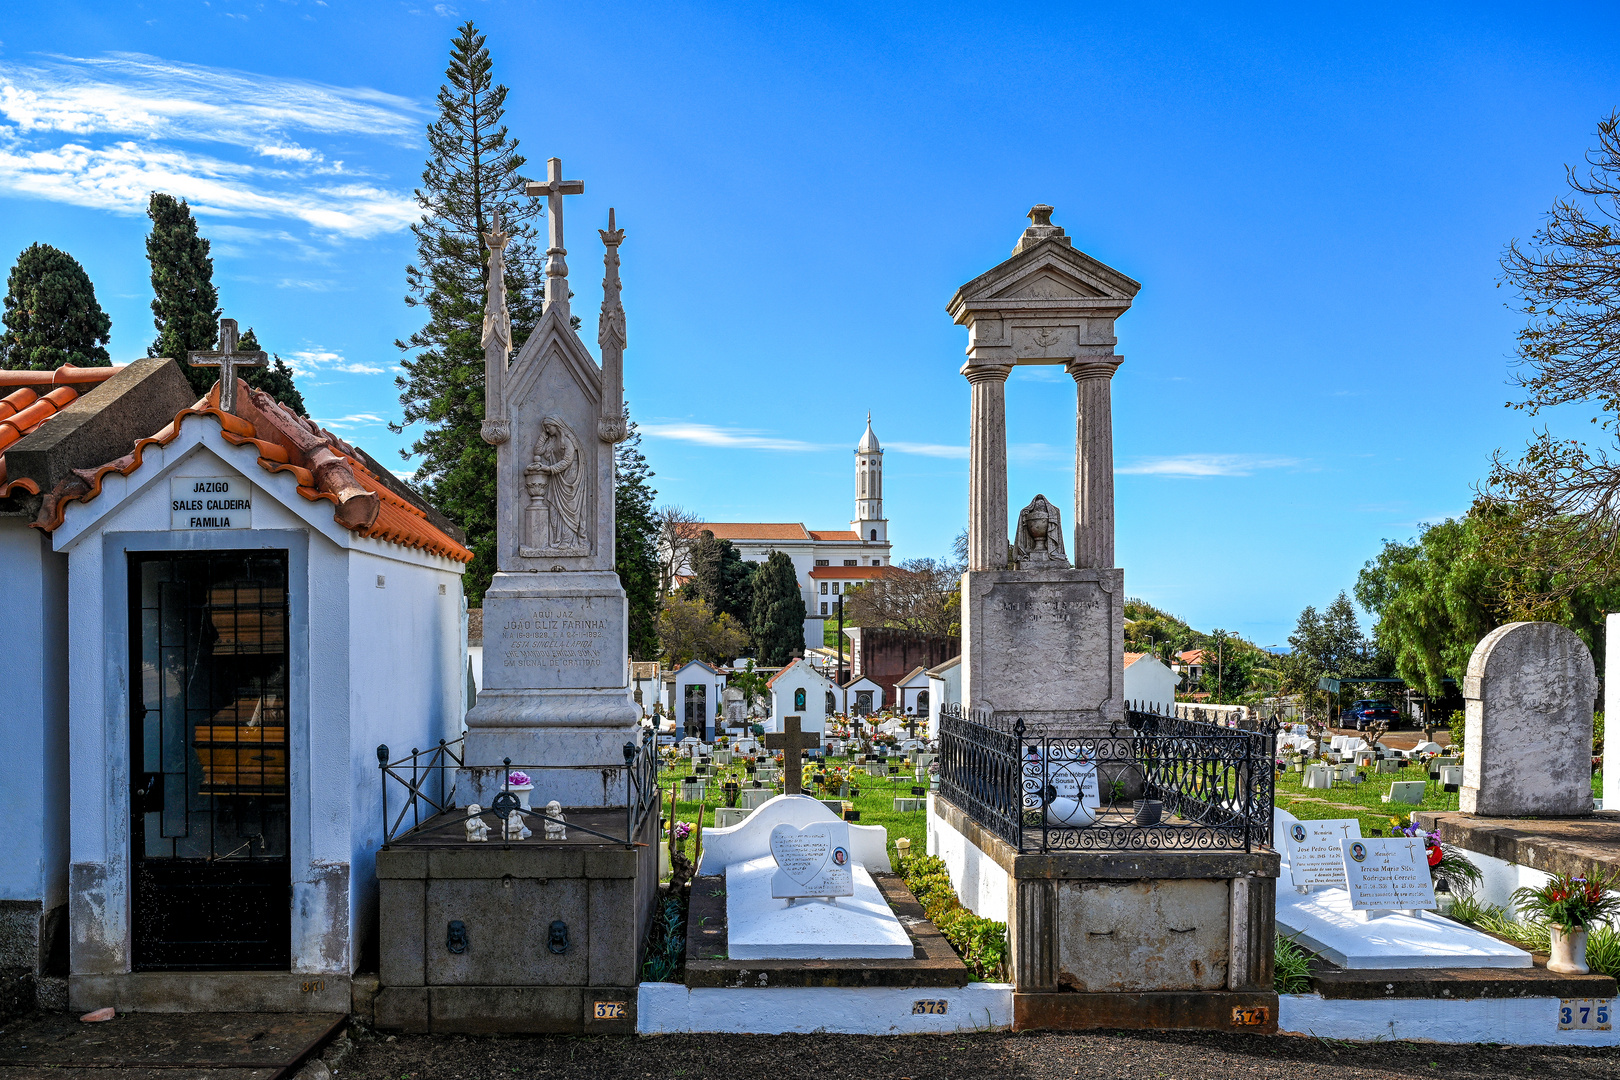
(554,187)
(227,359)
(792,742)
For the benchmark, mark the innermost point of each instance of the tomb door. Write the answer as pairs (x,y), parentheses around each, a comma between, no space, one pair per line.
(697,702)
(212,872)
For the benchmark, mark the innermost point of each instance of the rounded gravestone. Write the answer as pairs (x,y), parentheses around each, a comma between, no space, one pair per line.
(1530,692)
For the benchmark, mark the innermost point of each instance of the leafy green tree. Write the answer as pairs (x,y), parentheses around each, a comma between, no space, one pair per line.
(778,615)
(635,551)
(185,304)
(473,170)
(275,379)
(688,629)
(1151,630)
(720,577)
(51,316)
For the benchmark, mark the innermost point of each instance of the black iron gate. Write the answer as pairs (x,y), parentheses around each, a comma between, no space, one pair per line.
(212,873)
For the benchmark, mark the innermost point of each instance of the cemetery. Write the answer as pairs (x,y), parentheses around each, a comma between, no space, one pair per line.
(278,787)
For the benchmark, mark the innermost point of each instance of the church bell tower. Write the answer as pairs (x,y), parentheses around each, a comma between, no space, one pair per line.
(869,521)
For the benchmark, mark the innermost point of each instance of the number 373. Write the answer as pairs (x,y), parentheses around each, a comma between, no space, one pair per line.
(1588,1014)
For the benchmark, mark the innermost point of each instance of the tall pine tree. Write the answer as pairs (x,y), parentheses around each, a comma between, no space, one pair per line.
(635,552)
(778,612)
(473,170)
(51,316)
(185,304)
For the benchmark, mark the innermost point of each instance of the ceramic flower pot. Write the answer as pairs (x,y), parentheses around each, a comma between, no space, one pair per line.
(522,792)
(1568,952)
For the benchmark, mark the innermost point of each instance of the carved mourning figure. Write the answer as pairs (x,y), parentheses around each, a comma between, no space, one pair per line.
(554,520)
(556,827)
(477,828)
(1039,544)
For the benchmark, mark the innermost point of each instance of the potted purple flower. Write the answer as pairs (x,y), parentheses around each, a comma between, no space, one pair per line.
(519,784)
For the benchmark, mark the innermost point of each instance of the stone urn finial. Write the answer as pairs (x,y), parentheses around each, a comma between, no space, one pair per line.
(1040,214)
(1040,228)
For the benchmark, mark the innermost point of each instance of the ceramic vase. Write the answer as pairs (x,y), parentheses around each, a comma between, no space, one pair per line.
(1568,951)
(522,792)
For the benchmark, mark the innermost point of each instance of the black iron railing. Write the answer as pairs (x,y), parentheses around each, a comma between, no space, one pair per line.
(423,786)
(1154,782)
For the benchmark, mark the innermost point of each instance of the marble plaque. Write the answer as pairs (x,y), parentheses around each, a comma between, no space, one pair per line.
(1388,872)
(812,860)
(550,642)
(1314,855)
(1065,782)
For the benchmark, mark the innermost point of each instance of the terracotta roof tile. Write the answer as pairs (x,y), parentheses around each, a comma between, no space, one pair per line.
(324,466)
(754,530)
(831,534)
(854,573)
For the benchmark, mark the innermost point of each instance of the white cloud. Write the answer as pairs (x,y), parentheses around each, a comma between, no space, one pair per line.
(1205,465)
(316,360)
(355,420)
(733,438)
(106,131)
(928,449)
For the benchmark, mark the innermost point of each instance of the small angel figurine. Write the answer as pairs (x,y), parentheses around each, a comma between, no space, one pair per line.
(515,829)
(555,827)
(477,828)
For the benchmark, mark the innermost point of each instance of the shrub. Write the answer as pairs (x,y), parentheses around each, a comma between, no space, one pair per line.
(1292,969)
(982,943)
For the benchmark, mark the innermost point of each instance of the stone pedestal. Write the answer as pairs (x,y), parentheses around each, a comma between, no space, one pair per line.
(556,688)
(1045,645)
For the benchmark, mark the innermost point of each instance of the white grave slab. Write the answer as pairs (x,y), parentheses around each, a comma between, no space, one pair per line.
(868,844)
(1388,873)
(761,927)
(1324,922)
(1314,856)
(811,860)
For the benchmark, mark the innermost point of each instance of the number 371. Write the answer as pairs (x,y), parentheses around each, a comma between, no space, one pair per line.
(1585,1014)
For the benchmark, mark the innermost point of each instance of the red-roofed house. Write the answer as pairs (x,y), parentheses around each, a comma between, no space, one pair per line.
(232,611)
(861,547)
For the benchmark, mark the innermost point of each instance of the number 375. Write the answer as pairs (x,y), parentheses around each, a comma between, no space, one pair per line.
(1585,1014)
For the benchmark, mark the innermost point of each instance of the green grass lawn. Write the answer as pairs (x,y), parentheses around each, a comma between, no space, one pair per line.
(1364,798)
(875,800)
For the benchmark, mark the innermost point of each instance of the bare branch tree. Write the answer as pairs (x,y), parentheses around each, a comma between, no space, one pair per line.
(921,595)
(678,530)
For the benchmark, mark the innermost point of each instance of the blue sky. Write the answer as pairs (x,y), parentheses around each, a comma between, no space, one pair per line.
(1314,202)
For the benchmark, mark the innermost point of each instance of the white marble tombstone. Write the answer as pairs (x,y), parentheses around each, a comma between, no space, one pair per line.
(1530,691)
(556,659)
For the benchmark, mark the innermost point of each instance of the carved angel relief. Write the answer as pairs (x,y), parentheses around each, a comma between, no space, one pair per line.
(557,517)
(1039,544)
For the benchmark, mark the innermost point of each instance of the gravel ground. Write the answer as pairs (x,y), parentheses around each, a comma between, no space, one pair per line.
(1143,1056)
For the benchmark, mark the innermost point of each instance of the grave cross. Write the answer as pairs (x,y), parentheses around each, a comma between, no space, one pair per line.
(227,359)
(790,740)
(554,187)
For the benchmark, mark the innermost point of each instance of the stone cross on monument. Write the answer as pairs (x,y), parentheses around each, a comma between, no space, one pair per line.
(554,188)
(792,741)
(227,359)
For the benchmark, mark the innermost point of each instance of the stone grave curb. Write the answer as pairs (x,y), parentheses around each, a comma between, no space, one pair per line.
(933,964)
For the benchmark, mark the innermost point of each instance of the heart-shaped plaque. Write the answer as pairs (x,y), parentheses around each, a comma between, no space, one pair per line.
(802,853)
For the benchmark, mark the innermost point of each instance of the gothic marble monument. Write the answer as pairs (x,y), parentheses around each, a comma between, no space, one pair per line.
(1043,639)
(557,677)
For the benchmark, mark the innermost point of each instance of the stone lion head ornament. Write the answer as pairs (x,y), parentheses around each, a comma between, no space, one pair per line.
(1039,543)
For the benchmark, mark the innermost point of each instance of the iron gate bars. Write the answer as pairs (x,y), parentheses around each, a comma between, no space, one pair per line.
(1045,791)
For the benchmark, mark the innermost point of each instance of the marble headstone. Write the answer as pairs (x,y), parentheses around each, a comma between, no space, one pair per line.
(1530,690)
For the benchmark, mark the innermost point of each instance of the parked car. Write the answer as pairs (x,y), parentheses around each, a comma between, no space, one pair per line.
(1368,711)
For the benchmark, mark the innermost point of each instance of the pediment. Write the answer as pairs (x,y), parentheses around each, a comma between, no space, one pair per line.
(552,342)
(1049,271)
(1049,282)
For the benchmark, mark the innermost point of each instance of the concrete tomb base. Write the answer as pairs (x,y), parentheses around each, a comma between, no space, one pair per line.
(534,936)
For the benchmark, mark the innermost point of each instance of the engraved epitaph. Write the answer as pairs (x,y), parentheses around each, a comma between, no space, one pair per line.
(556,667)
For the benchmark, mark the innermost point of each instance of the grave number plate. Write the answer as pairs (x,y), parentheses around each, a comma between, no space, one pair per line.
(1586,1014)
(609,1010)
(930,1006)
(1250,1017)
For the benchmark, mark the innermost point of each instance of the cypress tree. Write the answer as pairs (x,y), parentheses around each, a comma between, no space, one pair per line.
(474,168)
(185,304)
(635,551)
(51,316)
(275,379)
(778,615)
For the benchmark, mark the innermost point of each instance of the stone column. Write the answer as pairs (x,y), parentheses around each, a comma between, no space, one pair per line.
(1094,463)
(987,467)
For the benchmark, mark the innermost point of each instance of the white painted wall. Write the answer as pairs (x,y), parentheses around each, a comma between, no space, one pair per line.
(944,689)
(800,675)
(980,882)
(697,674)
(1150,681)
(365,667)
(33,718)
(670,1008)
(1611,708)
(1506,1021)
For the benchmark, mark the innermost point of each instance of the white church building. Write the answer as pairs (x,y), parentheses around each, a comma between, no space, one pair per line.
(826,561)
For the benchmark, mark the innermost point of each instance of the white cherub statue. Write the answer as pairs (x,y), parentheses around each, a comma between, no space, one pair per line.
(477,827)
(515,829)
(555,827)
